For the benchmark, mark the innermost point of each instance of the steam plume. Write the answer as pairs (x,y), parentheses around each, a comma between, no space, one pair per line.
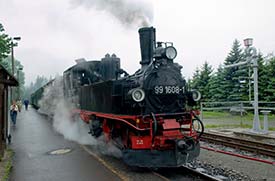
(58,108)
(74,129)
(131,13)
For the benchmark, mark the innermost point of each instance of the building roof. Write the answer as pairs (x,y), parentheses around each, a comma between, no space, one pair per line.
(6,78)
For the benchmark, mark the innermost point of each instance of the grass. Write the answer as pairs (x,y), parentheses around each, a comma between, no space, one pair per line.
(220,119)
(8,165)
(228,126)
(211,114)
(209,126)
(227,116)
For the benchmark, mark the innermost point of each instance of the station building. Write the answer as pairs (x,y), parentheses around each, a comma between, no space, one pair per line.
(7,81)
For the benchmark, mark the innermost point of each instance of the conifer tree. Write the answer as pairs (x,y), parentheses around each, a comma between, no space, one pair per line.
(270,88)
(205,76)
(216,91)
(233,89)
(201,80)
(195,79)
(6,63)
(5,43)
(263,78)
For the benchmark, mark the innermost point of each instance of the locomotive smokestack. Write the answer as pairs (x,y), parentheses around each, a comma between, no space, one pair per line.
(147,37)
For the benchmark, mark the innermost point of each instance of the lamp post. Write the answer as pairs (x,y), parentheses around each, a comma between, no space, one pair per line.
(251,53)
(12,58)
(18,78)
(249,83)
(252,59)
(12,52)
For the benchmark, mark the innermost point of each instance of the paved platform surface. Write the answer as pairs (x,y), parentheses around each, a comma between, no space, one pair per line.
(33,138)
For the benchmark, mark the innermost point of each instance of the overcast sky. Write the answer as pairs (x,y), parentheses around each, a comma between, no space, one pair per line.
(56,32)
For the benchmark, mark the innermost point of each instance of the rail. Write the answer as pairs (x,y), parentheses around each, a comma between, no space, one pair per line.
(242,144)
(184,173)
(201,174)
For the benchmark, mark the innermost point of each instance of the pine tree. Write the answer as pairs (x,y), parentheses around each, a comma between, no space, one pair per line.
(195,79)
(270,89)
(34,86)
(6,63)
(201,80)
(263,78)
(234,90)
(205,76)
(216,91)
(5,42)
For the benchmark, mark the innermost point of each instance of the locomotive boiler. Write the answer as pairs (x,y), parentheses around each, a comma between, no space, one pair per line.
(148,115)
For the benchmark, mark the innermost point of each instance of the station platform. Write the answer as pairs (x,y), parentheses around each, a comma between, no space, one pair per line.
(42,154)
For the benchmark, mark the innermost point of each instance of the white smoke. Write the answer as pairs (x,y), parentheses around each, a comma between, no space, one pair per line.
(72,128)
(108,148)
(54,105)
(51,97)
(131,13)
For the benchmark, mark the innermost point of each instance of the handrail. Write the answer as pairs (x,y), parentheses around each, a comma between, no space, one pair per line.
(115,118)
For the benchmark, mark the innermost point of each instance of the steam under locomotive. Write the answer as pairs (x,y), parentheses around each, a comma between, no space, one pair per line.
(148,115)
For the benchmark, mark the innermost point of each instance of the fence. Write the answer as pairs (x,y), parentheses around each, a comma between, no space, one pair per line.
(234,112)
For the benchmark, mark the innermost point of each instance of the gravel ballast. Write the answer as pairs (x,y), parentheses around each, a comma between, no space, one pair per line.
(238,168)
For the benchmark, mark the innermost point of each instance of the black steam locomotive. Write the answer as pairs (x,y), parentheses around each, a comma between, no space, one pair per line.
(148,115)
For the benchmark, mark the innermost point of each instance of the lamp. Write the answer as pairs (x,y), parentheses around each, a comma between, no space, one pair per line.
(248,42)
(20,68)
(17,38)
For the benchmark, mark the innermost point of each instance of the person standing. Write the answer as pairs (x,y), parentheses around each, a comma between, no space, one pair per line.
(13,112)
(26,103)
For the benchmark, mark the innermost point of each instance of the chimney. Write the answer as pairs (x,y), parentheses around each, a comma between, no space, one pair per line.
(147,38)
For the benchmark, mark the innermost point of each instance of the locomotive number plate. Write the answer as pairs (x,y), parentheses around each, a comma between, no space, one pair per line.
(168,89)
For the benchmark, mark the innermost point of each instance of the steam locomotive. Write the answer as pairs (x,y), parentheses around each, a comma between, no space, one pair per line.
(148,115)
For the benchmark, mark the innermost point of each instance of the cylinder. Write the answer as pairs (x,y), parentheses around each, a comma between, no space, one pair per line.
(147,37)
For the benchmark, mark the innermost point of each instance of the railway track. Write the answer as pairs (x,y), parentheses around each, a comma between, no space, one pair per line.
(241,144)
(201,175)
(184,173)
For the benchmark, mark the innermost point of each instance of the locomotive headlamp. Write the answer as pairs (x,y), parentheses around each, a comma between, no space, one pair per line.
(196,95)
(170,52)
(137,94)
